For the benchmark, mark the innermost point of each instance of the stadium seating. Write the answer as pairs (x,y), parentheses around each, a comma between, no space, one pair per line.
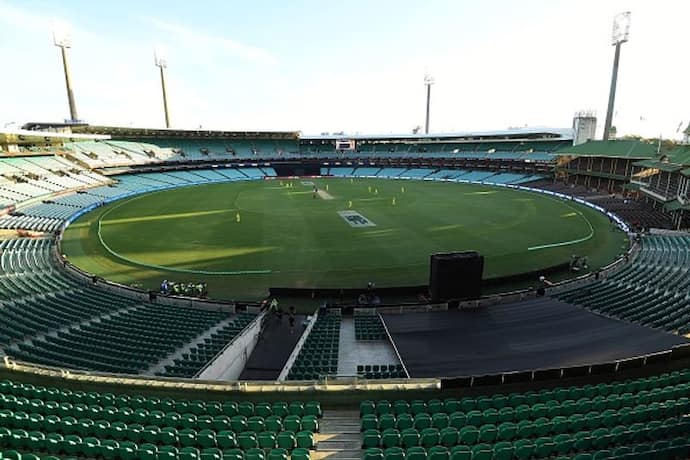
(319,354)
(58,422)
(193,361)
(652,290)
(32,177)
(49,318)
(645,415)
(369,327)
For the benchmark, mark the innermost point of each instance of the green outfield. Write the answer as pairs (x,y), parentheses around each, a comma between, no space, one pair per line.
(245,237)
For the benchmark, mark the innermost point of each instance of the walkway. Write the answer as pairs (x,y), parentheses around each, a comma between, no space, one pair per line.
(354,352)
(339,437)
(273,349)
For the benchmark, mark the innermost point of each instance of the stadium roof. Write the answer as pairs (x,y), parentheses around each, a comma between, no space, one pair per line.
(672,160)
(532,134)
(124,131)
(614,149)
(24,136)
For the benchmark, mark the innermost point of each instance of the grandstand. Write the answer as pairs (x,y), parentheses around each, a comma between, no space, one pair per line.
(596,368)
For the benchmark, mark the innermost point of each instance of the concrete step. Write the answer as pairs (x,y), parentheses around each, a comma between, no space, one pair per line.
(337,455)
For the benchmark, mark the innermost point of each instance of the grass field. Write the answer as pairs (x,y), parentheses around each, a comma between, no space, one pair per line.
(286,237)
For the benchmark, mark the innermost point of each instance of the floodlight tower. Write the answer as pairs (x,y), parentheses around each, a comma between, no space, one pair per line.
(161,62)
(621,30)
(63,40)
(428,81)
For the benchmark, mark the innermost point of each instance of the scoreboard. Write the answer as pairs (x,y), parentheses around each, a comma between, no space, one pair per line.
(345,144)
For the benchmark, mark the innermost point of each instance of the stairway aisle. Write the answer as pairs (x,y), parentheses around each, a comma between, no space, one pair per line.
(339,437)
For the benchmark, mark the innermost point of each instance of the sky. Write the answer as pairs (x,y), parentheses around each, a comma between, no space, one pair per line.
(356,66)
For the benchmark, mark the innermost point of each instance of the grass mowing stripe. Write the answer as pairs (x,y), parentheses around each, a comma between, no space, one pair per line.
(163,267)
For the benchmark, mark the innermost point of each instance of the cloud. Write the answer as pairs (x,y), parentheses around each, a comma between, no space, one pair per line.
(193,38)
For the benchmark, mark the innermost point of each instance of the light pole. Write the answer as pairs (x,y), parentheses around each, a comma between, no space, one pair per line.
(621,30)
(161,62)
(63,40)
(428,81)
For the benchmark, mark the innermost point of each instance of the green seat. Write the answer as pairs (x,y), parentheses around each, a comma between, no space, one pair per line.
(523,449)
(296,408)
(238,423)
(36,441)
(278,454)
(440,421)
(11,455)
(438,453)
(297,454)
(127,450)
(109,449)
(429,437)
(274,423)
(287,440)
(254,454)
(482,452)
(601,438)
(563,443)
(373,453)
(305,439)
(404,421)
(488,433)
(72,444)
(449,436)
(54,442)
(369,422)
(385,421)
(187,437)
(147,451)
(503,450)
(206,438)
(263,410)
(390,438)
(422,421)
(247,440)
(401,407)
(220,422)
(256,424)
(469,435)
(370,439)
(233,454)
(267,440)
(394,453)
(367,408)
(189,453)
(211,453)
(292,423)
(246,408)
(311,423)
(226,439)
(409,438)
(416,453)
(543,447)
(461,452)
(506,431)
(90,446)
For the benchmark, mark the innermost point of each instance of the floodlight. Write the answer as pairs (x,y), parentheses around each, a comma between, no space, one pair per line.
(621,28)
(159,57)
(62,35)
(428,81)
(621,31)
